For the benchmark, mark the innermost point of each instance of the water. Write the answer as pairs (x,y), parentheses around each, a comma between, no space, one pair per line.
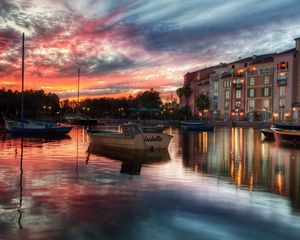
(228,184)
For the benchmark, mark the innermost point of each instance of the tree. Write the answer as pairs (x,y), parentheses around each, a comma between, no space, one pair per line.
(185,92)
(148,99)
(202,102)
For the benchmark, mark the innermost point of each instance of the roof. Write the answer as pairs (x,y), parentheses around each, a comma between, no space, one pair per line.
(263,58)
(290,51)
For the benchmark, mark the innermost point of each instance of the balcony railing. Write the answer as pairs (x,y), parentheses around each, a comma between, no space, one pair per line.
(238,74)
(282,82)
(254,72)
(238,86)
(266,71)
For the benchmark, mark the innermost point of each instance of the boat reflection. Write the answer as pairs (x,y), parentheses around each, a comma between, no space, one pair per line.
(132,160)
(238,155)
(44,138)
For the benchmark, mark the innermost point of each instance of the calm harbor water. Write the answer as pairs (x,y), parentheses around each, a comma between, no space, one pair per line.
(226,184)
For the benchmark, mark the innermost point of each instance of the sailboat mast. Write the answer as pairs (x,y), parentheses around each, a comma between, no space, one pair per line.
(78,92)
(22,93)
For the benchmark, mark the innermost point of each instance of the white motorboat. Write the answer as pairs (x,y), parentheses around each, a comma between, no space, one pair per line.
(131,137)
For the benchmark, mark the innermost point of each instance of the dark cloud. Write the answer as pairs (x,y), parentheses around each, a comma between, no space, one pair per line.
(256,18)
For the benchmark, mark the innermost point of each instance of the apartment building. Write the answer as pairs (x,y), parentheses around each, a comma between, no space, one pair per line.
(264,87)
(260,78)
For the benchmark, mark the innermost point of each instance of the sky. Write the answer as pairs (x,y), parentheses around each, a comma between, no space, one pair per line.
(127,46)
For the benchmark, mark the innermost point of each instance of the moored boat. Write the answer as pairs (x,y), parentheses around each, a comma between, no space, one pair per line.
(268,133)
(35,127)
(131,137)
(290,135)
(31,126)
(196,125)
(81,120)
(288,126)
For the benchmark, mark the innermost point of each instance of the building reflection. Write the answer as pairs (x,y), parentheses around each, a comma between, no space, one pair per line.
(239,155)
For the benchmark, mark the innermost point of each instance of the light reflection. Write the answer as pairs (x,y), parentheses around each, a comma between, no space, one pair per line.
(252,164)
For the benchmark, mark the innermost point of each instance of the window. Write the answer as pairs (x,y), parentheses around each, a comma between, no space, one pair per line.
(225,83)
(215,96)
(251,105)
(226,106)
(282,91)
(245,64)
(238,104)
(266,92)
(281,103)
(227,94)
(266,104)
(215,105)
(216,86)
(232,66)
(251,81)
(229,83)
(282,65)
(282,76)
(251,92)
(238,94)
(267,80)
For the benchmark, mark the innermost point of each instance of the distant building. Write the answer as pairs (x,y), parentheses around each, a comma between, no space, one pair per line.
(264,87)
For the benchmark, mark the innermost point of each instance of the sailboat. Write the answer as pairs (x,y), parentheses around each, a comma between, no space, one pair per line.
(80,119)
(25,126)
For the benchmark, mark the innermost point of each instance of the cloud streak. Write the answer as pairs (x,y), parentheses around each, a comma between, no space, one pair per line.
(130,45)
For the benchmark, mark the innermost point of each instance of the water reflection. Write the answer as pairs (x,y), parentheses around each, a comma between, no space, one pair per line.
(245,160)
(213,185)
(132,160)
(21,185)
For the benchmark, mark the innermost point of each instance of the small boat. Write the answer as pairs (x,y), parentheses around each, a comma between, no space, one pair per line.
(131,137)
(78,118)
(31,126)
(81,120)
(268,133)
(289,135)
(198,126)
(153,129)
(35,127)
(288,126)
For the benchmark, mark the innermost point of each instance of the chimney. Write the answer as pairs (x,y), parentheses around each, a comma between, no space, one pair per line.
(297,44)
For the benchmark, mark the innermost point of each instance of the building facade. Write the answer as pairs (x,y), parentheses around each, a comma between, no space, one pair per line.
(264,87)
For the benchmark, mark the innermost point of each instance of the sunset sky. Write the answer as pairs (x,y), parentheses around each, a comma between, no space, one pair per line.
(127,46)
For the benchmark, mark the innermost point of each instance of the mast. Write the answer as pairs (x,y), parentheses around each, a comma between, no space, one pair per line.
(78,92)
(22,93)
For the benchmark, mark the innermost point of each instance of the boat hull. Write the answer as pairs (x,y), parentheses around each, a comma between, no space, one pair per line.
(268,133)
(139,141)
(81,121)
(51,129)
(287,135)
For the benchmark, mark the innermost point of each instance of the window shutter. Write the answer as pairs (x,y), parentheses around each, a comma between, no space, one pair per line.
(254,92)
(262,92)
(287,65)
(270,92)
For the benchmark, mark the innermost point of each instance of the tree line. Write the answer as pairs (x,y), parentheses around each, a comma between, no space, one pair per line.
(40,104)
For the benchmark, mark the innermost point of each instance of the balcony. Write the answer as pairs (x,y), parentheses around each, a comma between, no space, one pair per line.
(238,74)
(253,72)
(238,86)
(282,82)
(266,71)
